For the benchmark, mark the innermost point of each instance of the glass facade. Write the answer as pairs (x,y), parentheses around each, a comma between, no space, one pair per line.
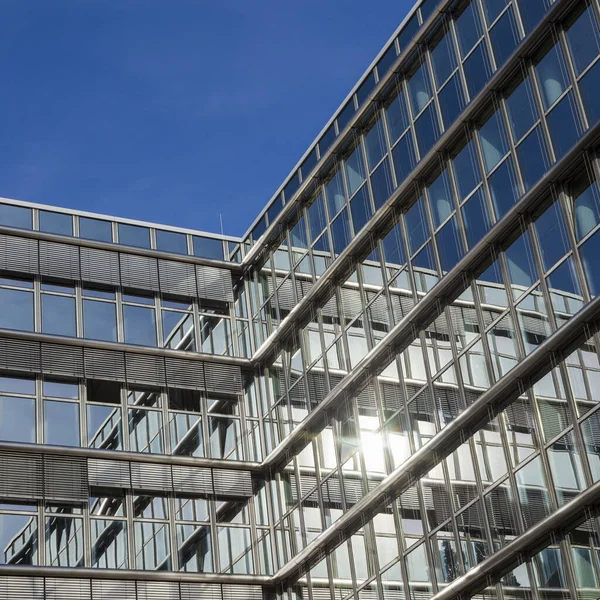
(387,389)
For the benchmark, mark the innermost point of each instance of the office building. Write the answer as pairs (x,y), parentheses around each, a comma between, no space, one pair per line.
(387,389)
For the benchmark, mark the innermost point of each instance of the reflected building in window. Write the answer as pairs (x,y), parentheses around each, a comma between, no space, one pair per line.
(388,388)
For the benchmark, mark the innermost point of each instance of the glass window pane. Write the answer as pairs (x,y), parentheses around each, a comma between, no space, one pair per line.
(586,207)
(64,541)
(208,248)
(109,544)
(476,218)
(521,109)
(355,170)
(360,207)
(563,122)
(452,100)
(340,232)
(477,70)
(60,223)
(444,59)
(494,144)
(532,12)
(440,199)
(16,216)
(146,431)
(420,89)
(427,130)
(99,320)
(533,158)
(381,183)
(468,28)
(449,244)
(18,539)
(552,235)
(195,548)
(140,325)
(134,235)
(589,85)
(584,39)
(95,229)
(17,385)
(591,265)
(235,550)
(416,225)
(492,8)
(404,158)
(58,315)
(336,197)
(61,423)
(178,330)
(397,117)
(504,36)
(152,546)
(552,75)
(503,188)
(466,170)
(170,241)
(375,144)
(17,419)
(317,220)
(104,427)
(60,389)
(17,310)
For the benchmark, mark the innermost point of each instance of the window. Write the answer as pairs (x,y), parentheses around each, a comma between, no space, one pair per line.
(334,190)
(494,144)
(503,188)
(564,125)
(59,223)
(420,89)
(403,155)
(235,550)
(427,129)
(443,58)
(477,70)
(355,170)
(99,315)
(396,116)
(532,158)
(18,535)
(17,414)
(58,310)
(145,423)
(170,241)
(178,325)
(452,100)
(95,229)
(16,299)
(476,218)
(552,75)
(504,36)
(583,39)
(139,320)
(15,216)
(134,235)
(521,109)
(104,418)
(417,228)
(208,248)
(185,422)
(61,422)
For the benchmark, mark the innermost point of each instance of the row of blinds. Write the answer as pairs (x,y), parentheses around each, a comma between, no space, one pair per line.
(55,588)
(107,267)
(115,365)
(40,476)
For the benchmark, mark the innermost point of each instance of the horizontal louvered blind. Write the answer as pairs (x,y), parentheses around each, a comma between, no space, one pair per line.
(139,272)
(20,355)
(19,255)
(145,476)
(201,591)
(145,368)
(68,589)
(157,590)
(104,364)
(65,478)
(177,278)
(59,260)
(286,297)
(109,473)
(21,475)
(185,373)
(226,379)
(237,592)
(227,482)
(192,480)
(105,589)
(214,283)
(60,359)
(100,266)
(22,588)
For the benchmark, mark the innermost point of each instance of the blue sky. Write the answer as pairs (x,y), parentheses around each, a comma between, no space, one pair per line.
(174,111)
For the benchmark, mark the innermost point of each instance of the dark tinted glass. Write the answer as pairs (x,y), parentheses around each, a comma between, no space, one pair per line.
(492,8)
(95,229)
(345,115)
(316,218)
(449,245)
(99,320)
(521,109)
(503,188)
(466,170)
(589,257)
(58,315)
(564,125)
(477,70)
(375,144)
(403,156)
(444,59)
(440,199)
(590,92)
(476,218)
(386,61)
(134,235)
(140,325)
(504,36)
(520,261)
(17,421)
(51,222)
(309,163)
(427,130)
(61,423)
(326,140)
(207,248)
(170,241)
(552,75)
(381,183)
(494,144)
(531,12)
(291,187)
(396,117)
(393,247)
(362,93)
(452,100)
(408,32)
(340,231)
(360,207)
(420,89)
(259,229)
(552,236)
(468,28)
(274,209)
(17,310)
(586,208)
(533,158)
(336,197)
(417,228)
(15,216)
(584,39)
